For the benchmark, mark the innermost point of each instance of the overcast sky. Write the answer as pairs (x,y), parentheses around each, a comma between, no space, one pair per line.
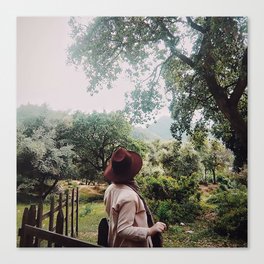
(44,77)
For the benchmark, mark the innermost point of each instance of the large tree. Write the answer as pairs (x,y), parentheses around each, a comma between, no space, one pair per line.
(96,135)
(42,158)
(202,60)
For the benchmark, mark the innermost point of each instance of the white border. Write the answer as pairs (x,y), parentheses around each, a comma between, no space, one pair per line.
(10,10)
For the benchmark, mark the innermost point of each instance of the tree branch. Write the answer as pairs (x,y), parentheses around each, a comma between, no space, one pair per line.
(154,72)
(241,82)
(184,58)
(171,41)
(97,167)
(49,190)
(229,85)
(195,26)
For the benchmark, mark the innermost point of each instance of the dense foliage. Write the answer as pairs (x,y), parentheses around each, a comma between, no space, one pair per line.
(231,211)
(95,136)
(172,200)
(41,156)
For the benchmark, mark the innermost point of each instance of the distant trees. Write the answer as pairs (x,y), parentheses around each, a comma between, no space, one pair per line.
(176,159)
(215,156)
(202,60)
(211,151)
(52,146)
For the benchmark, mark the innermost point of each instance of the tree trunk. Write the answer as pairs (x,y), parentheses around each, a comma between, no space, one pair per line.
(214,177)
(237,123)
(49,190)
(41,188)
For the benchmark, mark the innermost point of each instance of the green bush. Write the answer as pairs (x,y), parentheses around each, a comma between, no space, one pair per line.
(231,209)
(172,200)
(170,212)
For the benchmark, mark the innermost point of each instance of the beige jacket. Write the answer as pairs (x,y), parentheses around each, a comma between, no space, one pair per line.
(128,220)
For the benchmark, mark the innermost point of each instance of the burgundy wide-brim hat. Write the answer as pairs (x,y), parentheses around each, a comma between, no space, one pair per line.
(123,166)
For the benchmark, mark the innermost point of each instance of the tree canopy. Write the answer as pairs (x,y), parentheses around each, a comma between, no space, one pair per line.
(201,62)
(95,136)
(41,155)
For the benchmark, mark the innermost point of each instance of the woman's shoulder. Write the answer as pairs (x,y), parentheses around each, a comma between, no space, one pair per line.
(123,191)
(119,186)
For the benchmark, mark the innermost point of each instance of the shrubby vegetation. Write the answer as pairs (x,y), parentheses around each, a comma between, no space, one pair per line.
(231,207)
(171,177)
(172,200)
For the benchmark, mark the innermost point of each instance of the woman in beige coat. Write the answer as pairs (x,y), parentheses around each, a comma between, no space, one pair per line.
(129,223)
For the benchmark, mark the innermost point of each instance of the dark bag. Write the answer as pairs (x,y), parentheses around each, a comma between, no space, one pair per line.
(103,230)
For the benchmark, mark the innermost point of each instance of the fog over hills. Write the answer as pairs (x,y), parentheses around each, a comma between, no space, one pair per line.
(159,130)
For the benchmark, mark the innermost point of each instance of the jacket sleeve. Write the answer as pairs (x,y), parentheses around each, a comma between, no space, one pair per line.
(125,228)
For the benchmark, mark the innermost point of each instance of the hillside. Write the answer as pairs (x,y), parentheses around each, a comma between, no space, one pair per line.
(159,130)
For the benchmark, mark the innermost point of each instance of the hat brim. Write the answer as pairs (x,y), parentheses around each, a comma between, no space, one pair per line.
(132,171)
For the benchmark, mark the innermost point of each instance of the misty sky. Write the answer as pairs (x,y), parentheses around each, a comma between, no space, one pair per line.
(43,75)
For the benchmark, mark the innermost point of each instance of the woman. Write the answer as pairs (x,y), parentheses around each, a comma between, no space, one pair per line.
(130,223)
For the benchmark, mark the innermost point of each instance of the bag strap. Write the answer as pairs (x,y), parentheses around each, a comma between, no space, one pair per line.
(157,240)
(145,205)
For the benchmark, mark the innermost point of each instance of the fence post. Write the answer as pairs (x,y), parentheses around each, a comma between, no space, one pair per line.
(60,201)
(72,213)
(67,213)
(32,222)
(51,217)
(35,217)
(77,211)
(59,225)
(22,229)
(39,221)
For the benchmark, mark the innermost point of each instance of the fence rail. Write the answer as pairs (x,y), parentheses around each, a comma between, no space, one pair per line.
(58,239)
(31,232)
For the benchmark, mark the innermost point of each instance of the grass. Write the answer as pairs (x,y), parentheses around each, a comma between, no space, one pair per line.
(197,235)
(88,224)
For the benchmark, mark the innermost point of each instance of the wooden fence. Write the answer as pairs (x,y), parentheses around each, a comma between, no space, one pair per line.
(31,232)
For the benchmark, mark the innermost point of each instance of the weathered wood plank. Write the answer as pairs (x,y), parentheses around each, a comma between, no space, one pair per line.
(39,221)
(77,212)
(31,221)
(51,217)
(72,214)
(59,225)
(67,213)
(56,209)
(57,238)
(22,229)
